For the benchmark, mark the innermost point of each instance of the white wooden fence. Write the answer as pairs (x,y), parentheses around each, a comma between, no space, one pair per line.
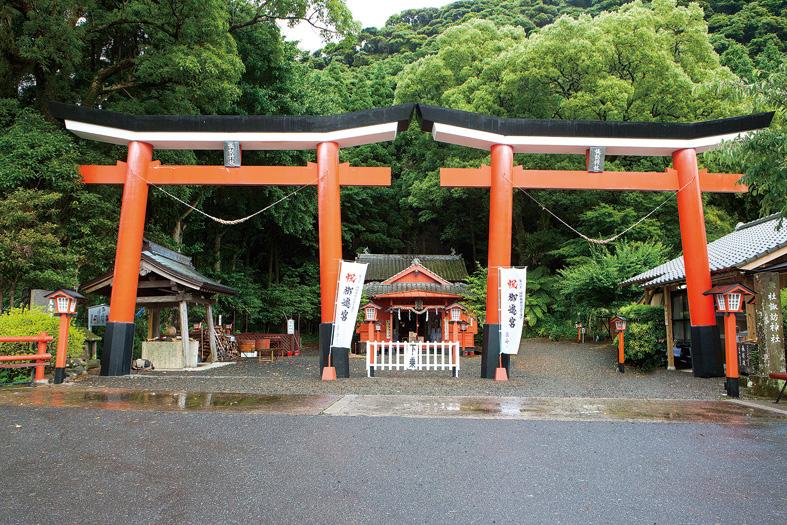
(412,356)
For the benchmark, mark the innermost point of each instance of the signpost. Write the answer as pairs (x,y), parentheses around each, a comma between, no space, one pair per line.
(596,159)
(232,154)
(97,316)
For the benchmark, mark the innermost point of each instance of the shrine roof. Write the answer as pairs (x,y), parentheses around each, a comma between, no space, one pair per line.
(254,132)
(474,130)
(169,265)
(384,265)
(373,289)
(746,244)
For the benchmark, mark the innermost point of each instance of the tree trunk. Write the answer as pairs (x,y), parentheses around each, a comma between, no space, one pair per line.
(217,251)
(270,267)
(180,225)
(12,295)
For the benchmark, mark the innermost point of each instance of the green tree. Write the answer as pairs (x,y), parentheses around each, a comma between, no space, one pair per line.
(30,252)
(591,285)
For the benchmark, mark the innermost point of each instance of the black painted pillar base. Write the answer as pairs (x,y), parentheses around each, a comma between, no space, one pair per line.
(340,357)
(707,359)
(117,351)
(60,375)
(490,355)
(621,368)
(733,387)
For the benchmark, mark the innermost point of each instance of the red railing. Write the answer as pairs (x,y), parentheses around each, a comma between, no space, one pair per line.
(41,357)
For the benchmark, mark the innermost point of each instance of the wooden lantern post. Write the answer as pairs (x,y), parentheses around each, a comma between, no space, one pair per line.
(729,300)
(65,305)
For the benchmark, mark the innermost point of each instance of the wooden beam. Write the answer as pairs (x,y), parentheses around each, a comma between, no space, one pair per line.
(583,180)
(160,283)
(172,299)
(184,330)
(163,175)
(667,302)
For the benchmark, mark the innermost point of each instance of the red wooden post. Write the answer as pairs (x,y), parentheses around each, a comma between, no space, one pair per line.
(330,237)
(705,343)
(621,351)
(62,348)
(731,354)
(501,196)
(119,335)
(41,365)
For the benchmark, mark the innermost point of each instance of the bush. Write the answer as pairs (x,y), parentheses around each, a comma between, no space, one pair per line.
(645,335)
(22,322)
(556,329)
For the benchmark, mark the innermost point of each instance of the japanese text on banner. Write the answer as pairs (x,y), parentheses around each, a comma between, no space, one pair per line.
(348,299)
(513,282)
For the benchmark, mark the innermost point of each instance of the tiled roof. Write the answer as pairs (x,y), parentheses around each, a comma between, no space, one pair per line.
(374,288)
(384,265)
(170,265)
(747,243)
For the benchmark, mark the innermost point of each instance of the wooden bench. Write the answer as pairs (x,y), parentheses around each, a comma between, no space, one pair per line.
(783,377)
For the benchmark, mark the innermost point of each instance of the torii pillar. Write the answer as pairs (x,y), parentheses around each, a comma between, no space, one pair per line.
(501,190)
(330,234)
(706,352)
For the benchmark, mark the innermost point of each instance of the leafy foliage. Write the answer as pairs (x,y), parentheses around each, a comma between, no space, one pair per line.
(586,59)
(645,335)
(592,284)
(29,322)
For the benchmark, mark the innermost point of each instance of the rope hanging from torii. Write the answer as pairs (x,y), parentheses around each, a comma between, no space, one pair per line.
(617,235)
(226,222)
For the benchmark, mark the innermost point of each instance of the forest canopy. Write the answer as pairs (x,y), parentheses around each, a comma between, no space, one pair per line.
(562,59)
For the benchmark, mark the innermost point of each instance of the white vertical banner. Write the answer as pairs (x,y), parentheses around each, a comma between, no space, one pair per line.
(512,284)
(348,300)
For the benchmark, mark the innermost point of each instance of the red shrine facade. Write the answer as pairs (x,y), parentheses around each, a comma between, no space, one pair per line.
(416,298)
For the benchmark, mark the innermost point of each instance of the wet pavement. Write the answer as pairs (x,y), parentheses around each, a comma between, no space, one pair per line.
(474,407)
(542,369)
(185,466)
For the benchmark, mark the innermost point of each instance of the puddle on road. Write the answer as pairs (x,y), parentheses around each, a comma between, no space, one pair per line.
(126,399)
(571,409)
(574,409)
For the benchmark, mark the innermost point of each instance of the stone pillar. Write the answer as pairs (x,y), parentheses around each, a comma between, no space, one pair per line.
(770,330)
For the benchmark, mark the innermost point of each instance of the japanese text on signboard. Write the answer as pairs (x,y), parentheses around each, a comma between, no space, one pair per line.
(512,308)
(348,299)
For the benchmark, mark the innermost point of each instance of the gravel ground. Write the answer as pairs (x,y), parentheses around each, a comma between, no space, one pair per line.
(542,369)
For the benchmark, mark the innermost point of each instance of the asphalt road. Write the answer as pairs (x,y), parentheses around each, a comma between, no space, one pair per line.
(98,466)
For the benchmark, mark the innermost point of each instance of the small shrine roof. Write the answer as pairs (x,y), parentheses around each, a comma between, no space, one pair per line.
(169,265)
(374,288)
(385,265)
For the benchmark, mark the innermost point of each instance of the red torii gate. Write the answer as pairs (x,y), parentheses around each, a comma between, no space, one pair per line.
(504,137)
(143,134)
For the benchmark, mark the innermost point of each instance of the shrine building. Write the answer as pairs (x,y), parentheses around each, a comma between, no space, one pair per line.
(416,298)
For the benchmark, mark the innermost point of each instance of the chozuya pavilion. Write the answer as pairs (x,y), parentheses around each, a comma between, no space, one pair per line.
(501,137)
